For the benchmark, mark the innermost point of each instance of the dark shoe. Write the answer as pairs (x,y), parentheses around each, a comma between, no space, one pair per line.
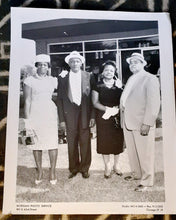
(85,175)
(71,175)
(141,188)
(107,176)
(118,172)
(130,178)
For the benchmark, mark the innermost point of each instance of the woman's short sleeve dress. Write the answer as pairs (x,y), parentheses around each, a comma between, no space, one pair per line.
(109,135)
(43,111)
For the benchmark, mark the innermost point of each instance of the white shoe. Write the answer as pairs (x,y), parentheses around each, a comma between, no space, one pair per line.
(53,182)
(38,182)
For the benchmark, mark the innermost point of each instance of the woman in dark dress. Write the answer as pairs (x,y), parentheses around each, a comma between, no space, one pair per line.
(106,99)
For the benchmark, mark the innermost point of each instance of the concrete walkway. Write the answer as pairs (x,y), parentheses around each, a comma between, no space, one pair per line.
(25,157)
(94,189)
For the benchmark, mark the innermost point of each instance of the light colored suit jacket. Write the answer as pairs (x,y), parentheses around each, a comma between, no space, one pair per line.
(143,103)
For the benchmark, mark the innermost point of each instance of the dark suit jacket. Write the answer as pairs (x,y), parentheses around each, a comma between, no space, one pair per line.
(66,109)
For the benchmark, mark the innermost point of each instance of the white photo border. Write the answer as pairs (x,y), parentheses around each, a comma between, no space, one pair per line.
(25,15)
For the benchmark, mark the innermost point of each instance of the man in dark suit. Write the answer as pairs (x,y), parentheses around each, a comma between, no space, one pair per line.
(74,108)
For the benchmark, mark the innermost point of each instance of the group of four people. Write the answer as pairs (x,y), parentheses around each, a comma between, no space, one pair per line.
(81,102)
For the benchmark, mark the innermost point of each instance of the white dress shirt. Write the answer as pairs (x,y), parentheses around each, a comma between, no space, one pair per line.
(75,86)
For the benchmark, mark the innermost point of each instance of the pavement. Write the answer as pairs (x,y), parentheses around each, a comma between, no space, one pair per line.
(25,156)
(115,189)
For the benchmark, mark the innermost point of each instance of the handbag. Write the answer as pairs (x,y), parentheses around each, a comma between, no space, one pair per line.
(29,137)
(116,121)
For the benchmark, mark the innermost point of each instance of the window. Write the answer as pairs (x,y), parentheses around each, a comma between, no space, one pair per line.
(62,48)
(100,45)
(139,42)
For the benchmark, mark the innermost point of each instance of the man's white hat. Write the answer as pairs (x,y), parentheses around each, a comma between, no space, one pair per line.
(43,58)
(137,56)
(74,54)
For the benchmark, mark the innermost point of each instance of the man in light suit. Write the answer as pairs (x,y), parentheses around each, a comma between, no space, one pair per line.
(74,108)
(140,103)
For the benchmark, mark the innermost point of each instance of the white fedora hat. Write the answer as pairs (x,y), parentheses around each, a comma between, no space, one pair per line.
(137,56)
(74,54)
(43,58)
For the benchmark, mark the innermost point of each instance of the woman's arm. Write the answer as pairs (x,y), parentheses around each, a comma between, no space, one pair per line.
(27,100)
(95,101)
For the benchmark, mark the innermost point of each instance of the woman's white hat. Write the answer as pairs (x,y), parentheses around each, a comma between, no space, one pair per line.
(137,56)
(43,58)
(74,54)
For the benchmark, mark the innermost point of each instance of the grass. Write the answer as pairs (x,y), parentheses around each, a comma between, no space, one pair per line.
(94,189)
(77,189)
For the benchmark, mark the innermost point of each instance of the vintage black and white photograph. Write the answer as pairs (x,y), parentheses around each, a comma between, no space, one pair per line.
(89,120)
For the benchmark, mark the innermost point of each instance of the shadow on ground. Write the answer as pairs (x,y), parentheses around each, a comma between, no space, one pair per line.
(77,189)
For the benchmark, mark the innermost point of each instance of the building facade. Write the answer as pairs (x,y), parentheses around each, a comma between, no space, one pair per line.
(97,41)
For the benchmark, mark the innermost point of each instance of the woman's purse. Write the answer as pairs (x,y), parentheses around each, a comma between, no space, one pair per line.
(116,121)
(28,134)
(28,137)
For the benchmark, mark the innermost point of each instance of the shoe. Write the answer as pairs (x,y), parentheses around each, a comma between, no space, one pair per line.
(107,176)
(118,172)
(39,178)
(53,182)
(38,182)
(141,188)
(71,175)
(107,173)
(85,175)
(130,178)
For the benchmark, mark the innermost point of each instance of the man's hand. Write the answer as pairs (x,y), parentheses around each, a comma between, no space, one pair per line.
(144,130)
(62,126)
(92,122)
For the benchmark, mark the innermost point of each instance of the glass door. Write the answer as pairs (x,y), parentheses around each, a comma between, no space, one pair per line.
(152,58)
(126,73)
(94,61)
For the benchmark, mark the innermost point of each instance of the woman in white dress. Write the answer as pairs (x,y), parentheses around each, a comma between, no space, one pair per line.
(41,114)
